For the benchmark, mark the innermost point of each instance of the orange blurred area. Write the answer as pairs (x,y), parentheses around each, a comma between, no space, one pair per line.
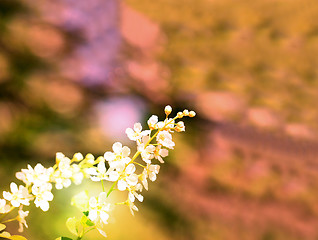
(74,74)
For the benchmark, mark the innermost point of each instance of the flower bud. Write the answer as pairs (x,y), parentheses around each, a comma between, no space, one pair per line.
(59,157)
(100,159)
(90,158)
(168,109)
(192,113)
(78,157)
(180,115)
(180,127)
(186,112)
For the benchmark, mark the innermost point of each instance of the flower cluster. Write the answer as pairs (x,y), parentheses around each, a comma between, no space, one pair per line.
(118,166)
(38,184)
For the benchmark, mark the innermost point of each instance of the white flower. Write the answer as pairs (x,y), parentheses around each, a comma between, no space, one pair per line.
(4,207)
(62,176)
(42,196)
(152,122)
(99,208)
(64,164)
(164,138)
(128,178)
(18,195)
(150,172)
(119,157)
(77,175)
(62,179)
(35,176)
(21,219)
(133,193)
(100,173)
(136,133)
(124,183)
(159,153)
(147,153)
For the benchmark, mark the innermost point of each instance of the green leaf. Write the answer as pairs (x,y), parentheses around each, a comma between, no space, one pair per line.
(86,222)
(2,227)
(17,237)
(64,238)
(89,223)
(86,213)
(72,225)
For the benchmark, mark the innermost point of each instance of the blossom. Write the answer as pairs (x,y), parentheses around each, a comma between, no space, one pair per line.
(21,219)
(99,208)
(121,171)
(136,133)
(4,207)
(152,122)
(159,153)
(77,175)
(18,195)
(62,179)
(100,173)
(128,178)
(150,172)
(133,193)
(164,138)
(119,157)
(62,176)
(42,196)
(147,153)
(36,175)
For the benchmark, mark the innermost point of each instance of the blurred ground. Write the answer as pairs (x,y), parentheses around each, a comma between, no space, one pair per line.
(75,74)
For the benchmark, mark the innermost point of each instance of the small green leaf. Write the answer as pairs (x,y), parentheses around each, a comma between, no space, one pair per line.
(86,213)
(89,223)
(86,222)
(17,237)
(2,227)
(72,224)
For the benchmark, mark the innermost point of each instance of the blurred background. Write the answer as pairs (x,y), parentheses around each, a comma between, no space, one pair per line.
(74,74)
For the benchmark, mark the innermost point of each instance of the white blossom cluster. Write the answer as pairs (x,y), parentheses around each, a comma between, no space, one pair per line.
(38,184)
(153,145)
(118,166)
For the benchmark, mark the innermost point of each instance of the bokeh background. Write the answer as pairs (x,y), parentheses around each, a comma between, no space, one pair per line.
(74,74)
